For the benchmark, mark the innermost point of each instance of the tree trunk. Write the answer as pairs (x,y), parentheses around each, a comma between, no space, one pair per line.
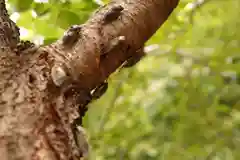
(44,91)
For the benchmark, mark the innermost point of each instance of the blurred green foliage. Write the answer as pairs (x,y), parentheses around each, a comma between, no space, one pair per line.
(180,102)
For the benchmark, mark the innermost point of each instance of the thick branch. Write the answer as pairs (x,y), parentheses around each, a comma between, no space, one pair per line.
(138,21)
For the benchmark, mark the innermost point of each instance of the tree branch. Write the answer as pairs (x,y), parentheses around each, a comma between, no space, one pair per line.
(137,23)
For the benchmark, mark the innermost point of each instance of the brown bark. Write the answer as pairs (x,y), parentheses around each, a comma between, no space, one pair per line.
(43,91)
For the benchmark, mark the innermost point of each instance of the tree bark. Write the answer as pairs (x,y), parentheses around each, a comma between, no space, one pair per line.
(43,90)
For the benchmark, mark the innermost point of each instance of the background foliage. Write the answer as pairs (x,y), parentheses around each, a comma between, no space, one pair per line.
(180,102)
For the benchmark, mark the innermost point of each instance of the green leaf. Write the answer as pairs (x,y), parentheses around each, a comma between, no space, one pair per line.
(66,18)
(22,5)
(49,40)
(24,20)
(47,30)
(41,8)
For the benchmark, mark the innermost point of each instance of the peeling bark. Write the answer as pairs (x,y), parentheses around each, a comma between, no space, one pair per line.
(44,91)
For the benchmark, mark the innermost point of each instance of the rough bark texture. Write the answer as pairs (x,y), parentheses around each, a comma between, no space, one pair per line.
(44,90)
